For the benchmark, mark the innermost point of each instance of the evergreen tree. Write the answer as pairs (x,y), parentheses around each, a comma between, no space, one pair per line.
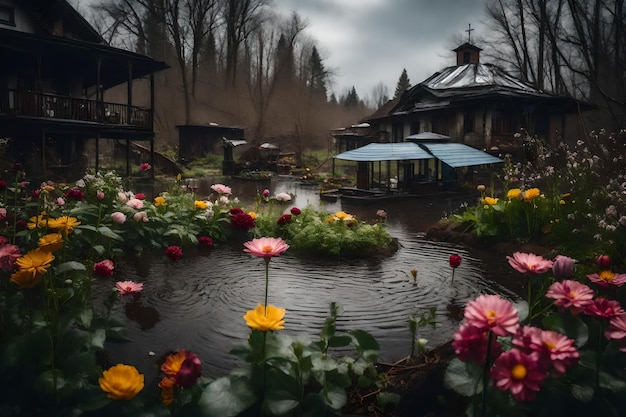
(351,99)
(318,74)
(403,84)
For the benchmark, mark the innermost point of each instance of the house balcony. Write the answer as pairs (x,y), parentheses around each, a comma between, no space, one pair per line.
(55,107)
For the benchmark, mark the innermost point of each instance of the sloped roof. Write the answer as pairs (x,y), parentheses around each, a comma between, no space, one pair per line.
(460,155)
(403,151)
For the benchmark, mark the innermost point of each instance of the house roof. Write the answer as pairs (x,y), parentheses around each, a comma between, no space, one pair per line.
(460,155)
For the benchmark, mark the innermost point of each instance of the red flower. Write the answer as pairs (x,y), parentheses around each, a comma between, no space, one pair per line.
(174,252)
(284,219)
(235,210)
(145,167)
(36,193)
(75,194)
(470,343)
(205,241)
(140,196)
(3,184)
(296,211)
(242,221)
(455,261)
(604,261)
(103,268)
(21,225)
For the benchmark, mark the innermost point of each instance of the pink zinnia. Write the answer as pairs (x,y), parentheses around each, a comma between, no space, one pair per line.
(490,312)
(174,252)
(221,189)
(518,373)
(145,167)
(128,287)
(617,330)
(104,268)
(529,263)
(606,278)
(556,351)
(8,255)
(570,294)
(470,343)
(604,308)
(266,247)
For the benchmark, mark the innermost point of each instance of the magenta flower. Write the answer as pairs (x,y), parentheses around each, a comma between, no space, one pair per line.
(563,267)
(284,219)
(104,268)
(8,255)
(604,309)
(174,252)
(604,261)
(296,211)
(455,261)
(100,195)
(470,343)
(145,167)
(266,193)
(519,373)
(490,312)
(128,287)
(617,330)
(529,263)
(75,194)
(205,241)
(570,294)
(266,247)
(221,189)
(556,351)
(140,196)
(606,278)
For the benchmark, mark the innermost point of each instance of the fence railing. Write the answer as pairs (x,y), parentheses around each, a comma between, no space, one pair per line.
(52,106)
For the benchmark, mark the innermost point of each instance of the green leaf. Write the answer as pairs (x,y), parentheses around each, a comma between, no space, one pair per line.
(463,378)
(313,405)
(85,317)
(364,340)
(99,249)
(569,325)
(339,341)
(49,382)
(107,232)
(583,393)
(97,338)
(70,266)
(609,382)
(336,397)
(282,393)
(227,397)
(388,398)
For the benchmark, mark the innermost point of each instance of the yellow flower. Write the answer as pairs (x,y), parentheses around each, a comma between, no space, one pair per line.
(199,205)
(252,214)
(121,382)
(264,319)
(514,193)
(561,202)
(490,201)
(51,242)
(160,201)
(330,219)
(531,194)
(37,222)
(63,224)
(342,215)
(179,177)
(32,267)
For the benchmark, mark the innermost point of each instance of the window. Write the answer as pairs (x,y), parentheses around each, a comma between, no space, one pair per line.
(7,15)
(466,57)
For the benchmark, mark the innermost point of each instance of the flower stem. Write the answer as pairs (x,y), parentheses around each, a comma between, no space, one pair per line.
(267,281)
(486,372)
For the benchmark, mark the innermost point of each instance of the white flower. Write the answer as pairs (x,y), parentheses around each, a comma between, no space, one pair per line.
(283,197)
(80,183)
(224,200)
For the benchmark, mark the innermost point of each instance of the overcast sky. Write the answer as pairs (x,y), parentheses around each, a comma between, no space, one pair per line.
(366,42)
(371,41)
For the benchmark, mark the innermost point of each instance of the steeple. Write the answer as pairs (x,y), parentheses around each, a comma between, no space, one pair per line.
(468,53)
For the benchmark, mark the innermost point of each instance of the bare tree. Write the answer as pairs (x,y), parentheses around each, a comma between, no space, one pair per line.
(380,95)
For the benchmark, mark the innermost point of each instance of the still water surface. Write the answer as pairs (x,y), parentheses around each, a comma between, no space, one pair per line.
(197,303)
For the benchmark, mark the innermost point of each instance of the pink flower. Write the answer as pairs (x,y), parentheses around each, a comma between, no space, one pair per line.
(135,203)
(140,216)
(104,268)
(470,343)
(266,193)
(490,312)
(266,247)
(604,261)
(174,252)
(570,294)
(296,211)
(606,278)
(60,201)
(100,195)
(128,287)
(118,217)
(604,308)
(519,373)
(8,255)
(556,351)
(3,213)
(617,330)
(145,167)
(221,189)
(205,241)
(529,263)
(455,261)
(283,197)
(284,219)
(563,267)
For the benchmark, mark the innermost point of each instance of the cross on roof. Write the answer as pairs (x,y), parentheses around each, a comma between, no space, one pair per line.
(469,33)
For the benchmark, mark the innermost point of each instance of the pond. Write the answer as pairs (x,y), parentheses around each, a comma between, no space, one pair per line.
(197,303)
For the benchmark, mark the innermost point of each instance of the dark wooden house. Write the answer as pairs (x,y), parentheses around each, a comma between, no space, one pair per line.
(55,75)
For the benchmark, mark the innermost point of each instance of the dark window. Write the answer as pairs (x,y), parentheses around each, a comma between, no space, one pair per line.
(468,122)
(466,57)
(7,16)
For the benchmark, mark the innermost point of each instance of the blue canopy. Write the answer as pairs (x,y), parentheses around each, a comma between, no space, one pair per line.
(403,151)
(460,155)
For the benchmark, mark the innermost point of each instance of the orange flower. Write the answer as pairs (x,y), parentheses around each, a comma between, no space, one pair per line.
(167,390)
(121,382)
(63,224)
(51,242)
(32,267)
(266,318)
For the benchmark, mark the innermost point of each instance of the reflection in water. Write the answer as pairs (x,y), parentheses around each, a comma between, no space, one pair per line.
(198,303)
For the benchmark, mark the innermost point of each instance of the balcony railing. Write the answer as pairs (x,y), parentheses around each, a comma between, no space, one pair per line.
(51,106)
